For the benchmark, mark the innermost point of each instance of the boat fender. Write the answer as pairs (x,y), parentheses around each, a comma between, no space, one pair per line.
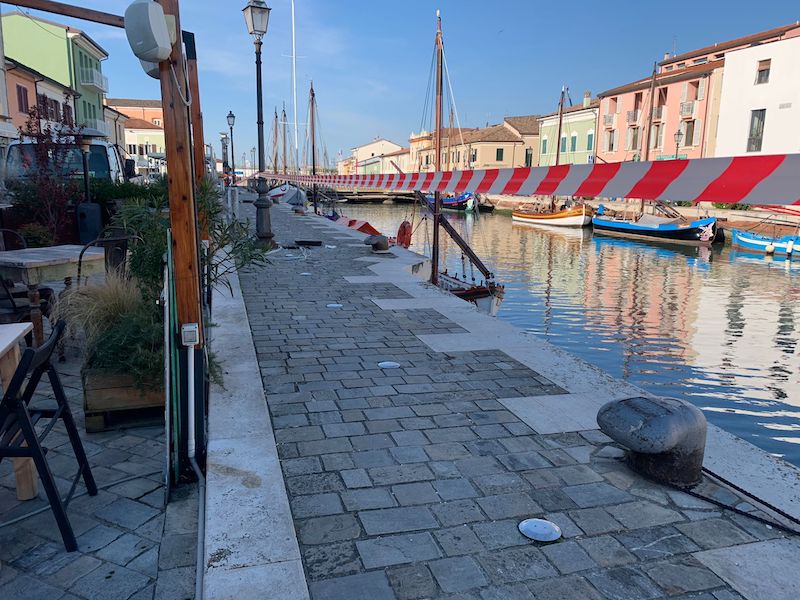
(770,249)
(790,248)
(404,234)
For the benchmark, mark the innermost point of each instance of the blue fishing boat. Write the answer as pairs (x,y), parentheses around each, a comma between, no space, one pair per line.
(786,245)
(668,227)
(464,202)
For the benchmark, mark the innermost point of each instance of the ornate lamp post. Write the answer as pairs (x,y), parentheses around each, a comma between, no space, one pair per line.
(223,138)
(256,17)
(678,137)
(231,121)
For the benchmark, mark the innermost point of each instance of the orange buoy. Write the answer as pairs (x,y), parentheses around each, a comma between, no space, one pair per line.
(404,234)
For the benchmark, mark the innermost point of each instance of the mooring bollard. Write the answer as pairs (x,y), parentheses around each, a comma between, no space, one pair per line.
(665,437)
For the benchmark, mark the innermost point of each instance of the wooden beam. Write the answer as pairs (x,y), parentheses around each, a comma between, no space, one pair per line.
(59,8)
(198,140)
(180,179)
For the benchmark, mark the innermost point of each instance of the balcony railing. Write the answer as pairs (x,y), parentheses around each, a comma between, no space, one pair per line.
(687,109)
(632,116)
(658,113)
(95,79)
(97,125)
(610,120)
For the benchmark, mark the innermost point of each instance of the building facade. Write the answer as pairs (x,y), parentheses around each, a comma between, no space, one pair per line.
(115,123)
(146,110)
(578,143)
(144,142)
(760,106)
(65,55)
(28,88)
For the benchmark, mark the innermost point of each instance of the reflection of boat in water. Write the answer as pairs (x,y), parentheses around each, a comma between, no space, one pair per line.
(466,202)
(699,255)
(579,215)
(786,246)
(667,227)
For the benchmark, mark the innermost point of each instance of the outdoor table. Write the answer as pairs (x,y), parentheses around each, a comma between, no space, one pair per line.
(33,266)
(10,336)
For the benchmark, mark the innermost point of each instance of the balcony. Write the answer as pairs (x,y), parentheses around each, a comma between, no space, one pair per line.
(93,78)
(658,113)
(93,125)
(610,121)
(632,116)
(687,109)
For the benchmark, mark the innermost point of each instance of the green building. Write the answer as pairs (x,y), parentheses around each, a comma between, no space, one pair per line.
(578,143)
(64,54)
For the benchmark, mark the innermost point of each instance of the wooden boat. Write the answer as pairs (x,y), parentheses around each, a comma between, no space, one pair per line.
(787,245)
(668,226)
(486,297)
(574,216)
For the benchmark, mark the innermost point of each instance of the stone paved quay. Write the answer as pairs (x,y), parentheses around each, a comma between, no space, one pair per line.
(409,483)
(130,545)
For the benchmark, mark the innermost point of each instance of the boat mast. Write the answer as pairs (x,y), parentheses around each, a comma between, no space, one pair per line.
(285,164)
(294,92)
(560,123)
(313,108)
(437,160)
(275,141)
(647,131)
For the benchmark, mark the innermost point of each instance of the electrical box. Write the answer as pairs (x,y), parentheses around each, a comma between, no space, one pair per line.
(190,334)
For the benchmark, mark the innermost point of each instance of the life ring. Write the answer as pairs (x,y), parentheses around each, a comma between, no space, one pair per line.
(404,234)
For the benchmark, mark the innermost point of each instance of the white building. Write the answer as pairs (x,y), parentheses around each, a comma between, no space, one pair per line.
(760,105)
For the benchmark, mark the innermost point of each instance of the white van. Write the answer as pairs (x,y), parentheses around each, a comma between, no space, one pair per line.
(106,161)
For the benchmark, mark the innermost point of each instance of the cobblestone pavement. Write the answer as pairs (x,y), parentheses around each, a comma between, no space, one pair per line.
(409,483)
(129,544)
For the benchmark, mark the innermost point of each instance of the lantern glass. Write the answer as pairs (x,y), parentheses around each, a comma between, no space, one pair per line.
(256,17)
(231,118)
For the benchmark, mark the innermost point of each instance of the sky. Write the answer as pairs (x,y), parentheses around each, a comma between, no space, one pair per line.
(370,59)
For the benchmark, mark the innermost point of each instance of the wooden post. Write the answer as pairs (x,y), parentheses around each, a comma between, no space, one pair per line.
(198,141)
(182,208)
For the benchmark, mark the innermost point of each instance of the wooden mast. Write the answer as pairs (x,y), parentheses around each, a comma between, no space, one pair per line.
(312,109)
(647,131)
(285,165)
(275,141)
(560,123)
(437,161)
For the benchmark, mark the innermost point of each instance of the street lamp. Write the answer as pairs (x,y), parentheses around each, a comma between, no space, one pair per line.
(678,137)
(256,17)
(231,121)
(223,138)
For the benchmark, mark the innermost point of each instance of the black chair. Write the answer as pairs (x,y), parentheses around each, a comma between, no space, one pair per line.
(114,240)
(15,306)
(20,240)
(19,436)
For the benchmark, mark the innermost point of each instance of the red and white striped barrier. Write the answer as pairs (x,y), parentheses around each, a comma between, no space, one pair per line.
(757,180)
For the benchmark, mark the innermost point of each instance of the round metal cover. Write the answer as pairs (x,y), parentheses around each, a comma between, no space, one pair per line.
(389,364)
(334,305)
(540,530)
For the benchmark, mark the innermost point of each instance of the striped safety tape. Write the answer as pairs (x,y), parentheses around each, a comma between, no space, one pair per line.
(756,180)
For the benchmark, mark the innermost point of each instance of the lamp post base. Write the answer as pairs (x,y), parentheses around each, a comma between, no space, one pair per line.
(263,220)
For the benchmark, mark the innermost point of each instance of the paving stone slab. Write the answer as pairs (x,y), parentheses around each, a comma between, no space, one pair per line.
(392,550)
(395,520)
(458,574)
(364,586)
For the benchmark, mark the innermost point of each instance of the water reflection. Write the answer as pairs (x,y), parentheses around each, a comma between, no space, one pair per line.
(717,327)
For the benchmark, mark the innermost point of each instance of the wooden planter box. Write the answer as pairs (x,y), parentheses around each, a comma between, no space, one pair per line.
(109,396)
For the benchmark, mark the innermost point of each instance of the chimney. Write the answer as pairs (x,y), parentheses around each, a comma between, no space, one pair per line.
(666,56)
(587,98)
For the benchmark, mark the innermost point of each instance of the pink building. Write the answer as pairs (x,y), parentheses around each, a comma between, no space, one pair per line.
(685,105)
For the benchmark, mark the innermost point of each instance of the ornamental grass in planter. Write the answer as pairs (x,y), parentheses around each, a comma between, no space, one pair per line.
(123,357)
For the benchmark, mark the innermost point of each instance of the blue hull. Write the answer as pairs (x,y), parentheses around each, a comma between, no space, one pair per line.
(702,232)
(786,245)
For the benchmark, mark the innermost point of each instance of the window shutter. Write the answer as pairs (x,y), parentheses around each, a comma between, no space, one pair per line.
(661,137)
(684,91)
(628,136)
(701,88)
(605,141)
(698,128)
(652,136)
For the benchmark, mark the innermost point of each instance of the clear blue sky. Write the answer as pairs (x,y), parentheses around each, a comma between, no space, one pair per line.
(370,59)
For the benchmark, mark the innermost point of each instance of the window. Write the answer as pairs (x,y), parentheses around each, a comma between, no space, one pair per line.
(528,157)
(756,134)
(700,61)
(131,148)
(688,133)
(498,154)
(544,145)
(142,150)
(157,122)
(22,99)
(427,159)
(762,75)
(563,143)
(612,140)
(612,105)
(590,141)
(68,116)
(633,138)
(458,156)
(573,142)
(474,155)
(656,135)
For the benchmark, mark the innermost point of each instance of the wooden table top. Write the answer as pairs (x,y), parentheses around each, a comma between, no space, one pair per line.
(11,334)
(32,258)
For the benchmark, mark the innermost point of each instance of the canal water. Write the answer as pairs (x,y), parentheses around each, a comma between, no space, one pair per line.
(715,327)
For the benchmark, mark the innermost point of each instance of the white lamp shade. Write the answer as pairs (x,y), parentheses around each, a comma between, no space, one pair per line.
(256,17)
(231,118)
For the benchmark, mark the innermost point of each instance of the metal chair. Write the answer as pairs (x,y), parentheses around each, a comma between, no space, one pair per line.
(15,306)
(16,234)
(19,437)
(114,241)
